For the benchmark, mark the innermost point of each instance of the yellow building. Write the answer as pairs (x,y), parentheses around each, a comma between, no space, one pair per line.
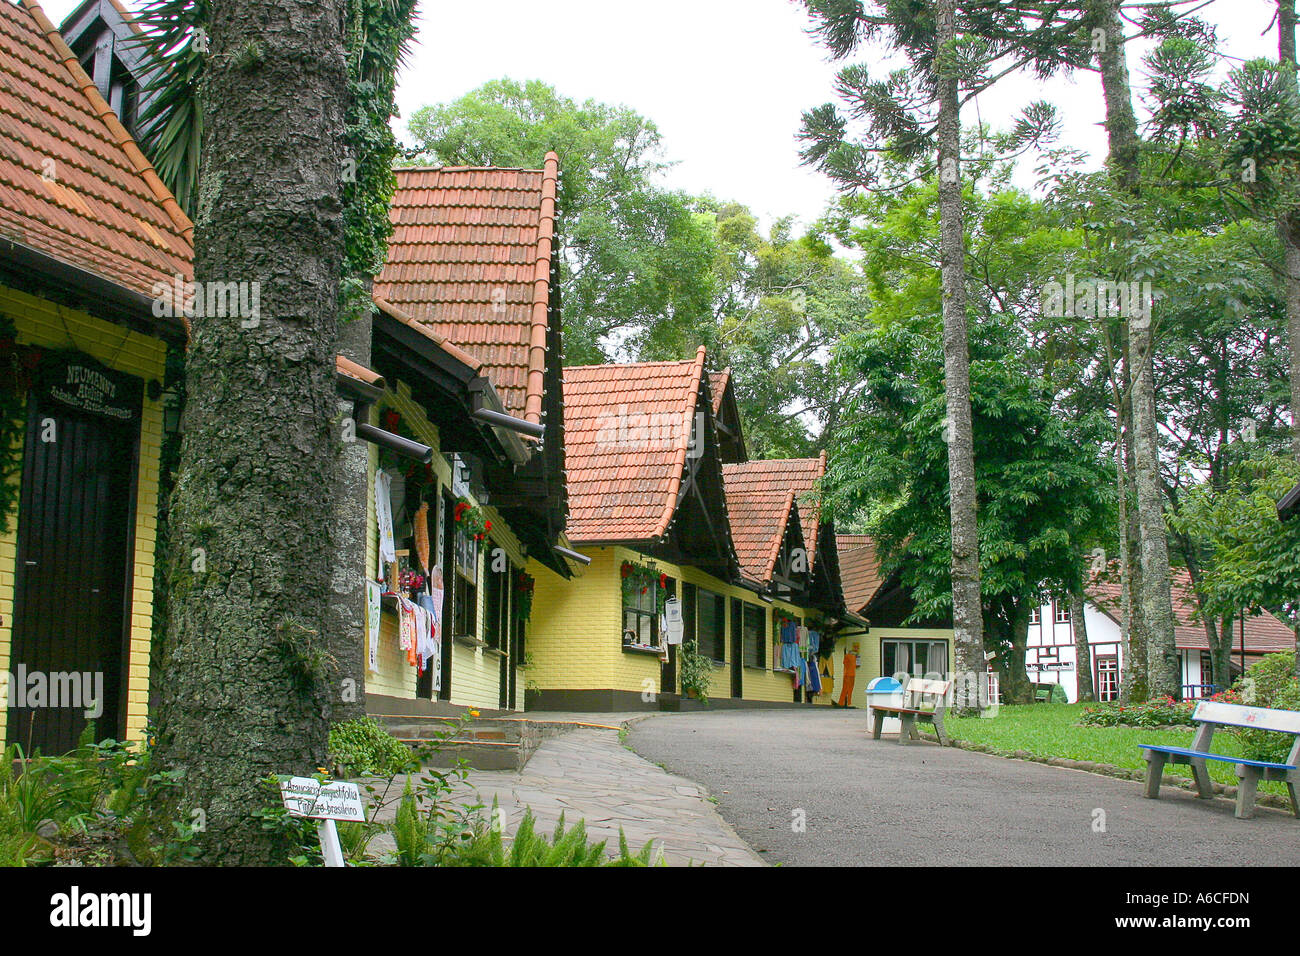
(887,646)
(677,524)
(467,342)
(88,236)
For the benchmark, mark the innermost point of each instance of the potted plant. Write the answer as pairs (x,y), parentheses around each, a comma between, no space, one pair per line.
(696,671)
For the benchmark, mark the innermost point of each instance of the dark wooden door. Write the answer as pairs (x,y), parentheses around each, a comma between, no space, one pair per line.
(72,591)
(737,648)
(448,577)
(668,669)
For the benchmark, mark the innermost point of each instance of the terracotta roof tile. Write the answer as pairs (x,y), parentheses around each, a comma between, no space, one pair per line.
(800,475)
(1265,634)
(860,576)
(470,259)
(759,520)
(73,184)
(626,429)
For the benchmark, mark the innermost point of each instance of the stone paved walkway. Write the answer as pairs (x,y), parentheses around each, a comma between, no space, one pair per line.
(587,774)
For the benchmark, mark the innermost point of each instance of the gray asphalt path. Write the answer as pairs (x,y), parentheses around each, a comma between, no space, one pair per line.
(811,788)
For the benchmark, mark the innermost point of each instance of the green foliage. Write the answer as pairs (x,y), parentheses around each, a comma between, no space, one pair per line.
(1156,712)
(1269,682)
(1250,559)
(528,848)
(362,746)
(695,670)
(101,803)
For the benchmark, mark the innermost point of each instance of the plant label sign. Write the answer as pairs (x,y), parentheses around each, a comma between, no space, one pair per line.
(305,797)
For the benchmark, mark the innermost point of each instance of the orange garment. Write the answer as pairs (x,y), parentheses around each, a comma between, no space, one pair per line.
(850,673)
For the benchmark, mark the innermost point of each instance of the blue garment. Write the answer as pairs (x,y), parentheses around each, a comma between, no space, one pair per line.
(814,643)
(814,679)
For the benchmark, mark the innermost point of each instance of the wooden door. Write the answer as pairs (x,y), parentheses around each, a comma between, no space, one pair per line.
(72,590)
(737,648)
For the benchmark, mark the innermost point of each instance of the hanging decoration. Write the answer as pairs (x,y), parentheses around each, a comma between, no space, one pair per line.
(524,584)
(470,520)
(640,579)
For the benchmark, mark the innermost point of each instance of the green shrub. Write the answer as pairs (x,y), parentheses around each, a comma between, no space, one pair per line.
(1269,682)
(1059,696)
(1156,712)
(362,746)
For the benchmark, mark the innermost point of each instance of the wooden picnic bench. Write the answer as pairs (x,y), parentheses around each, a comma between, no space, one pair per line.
(914,710)
(1211,715)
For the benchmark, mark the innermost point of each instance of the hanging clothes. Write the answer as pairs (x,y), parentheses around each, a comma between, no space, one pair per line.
(384,516)
(431,603)
(406,631)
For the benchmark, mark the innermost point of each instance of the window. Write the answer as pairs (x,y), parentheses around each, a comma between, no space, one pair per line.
(914,658)
(711,624)
(1035,616)
(1107,677)
(496,598)
(754,631)
(640,617)
(464,596)
(1062,615)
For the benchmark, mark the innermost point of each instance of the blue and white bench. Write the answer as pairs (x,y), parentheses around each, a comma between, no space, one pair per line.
(1211,715)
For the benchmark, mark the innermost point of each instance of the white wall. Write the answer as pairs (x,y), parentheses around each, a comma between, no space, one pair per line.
(1051,656)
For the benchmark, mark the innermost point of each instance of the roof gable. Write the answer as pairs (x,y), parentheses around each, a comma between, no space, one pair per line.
(73,183)
(800,475)
(471,257)
(627,432)
(762,522)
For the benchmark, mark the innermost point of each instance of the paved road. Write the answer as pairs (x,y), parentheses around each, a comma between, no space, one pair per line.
(868,802)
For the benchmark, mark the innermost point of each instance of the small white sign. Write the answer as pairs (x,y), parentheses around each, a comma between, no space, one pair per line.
(305,797)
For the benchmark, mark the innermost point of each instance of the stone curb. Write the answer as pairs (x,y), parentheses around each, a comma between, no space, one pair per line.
(1109,770)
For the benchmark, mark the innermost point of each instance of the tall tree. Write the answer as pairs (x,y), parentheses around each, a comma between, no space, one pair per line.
(915,114)
(1288,222)
(249,569)
(1124,148)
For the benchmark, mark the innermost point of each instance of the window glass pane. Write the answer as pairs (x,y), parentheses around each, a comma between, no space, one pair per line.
(890,659)
(939,658)
(921,654)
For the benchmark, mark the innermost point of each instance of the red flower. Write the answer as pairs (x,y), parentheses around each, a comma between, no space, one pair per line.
(391,418)
(663,581)
(626,569)
(487,526)
(643,590)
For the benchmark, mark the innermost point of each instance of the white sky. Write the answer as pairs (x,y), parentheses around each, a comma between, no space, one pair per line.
(725,80)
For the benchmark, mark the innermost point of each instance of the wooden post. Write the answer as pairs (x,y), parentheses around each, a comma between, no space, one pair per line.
(330,847)
(1247,782)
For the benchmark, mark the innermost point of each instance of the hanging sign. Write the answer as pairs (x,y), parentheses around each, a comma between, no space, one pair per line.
(78,381)
(673,620)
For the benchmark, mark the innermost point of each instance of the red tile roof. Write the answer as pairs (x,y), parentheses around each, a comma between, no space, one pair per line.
(718,385)
(860,574)
(759,520)
(800,475)
(73,183)
(470,258)
(626,430)
(1265,634)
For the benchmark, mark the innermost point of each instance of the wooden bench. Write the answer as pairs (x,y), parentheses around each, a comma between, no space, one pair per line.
(1211,715)
(1043,693)
(917,690)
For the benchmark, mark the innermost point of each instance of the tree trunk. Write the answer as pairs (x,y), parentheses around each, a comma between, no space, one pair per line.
(347,628)
(1133,677)
(968,631)
(1082,649)
(1154,595)
(249,682)
(1288,228)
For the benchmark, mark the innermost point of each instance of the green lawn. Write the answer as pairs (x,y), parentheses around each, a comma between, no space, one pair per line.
(1053,730)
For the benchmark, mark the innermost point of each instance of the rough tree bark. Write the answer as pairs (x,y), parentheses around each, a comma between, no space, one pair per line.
(347,614)
(968,630)
(1288,229)
(1082,649)
(248,690)
(1154,594)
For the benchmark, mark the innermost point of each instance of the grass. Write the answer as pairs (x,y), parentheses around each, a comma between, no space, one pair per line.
(1053,730)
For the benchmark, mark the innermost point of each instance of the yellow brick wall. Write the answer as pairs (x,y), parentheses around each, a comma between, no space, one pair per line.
(46,324)
(871,643)
(475,672)
(575,633)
